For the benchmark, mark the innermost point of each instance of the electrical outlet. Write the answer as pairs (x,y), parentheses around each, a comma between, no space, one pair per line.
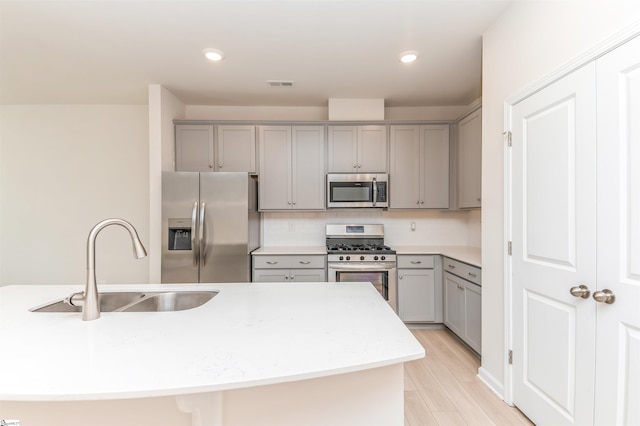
(413,226)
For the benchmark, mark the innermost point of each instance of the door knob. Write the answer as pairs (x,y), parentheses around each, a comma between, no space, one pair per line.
(580,291)
(604,296)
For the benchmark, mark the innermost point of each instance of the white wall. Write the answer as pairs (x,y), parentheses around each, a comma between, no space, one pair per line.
(530,40)
(63,168)
(308,228)
(164,107)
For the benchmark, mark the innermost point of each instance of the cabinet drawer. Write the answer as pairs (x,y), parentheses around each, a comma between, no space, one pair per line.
(416,261)
(463,270)
(283,261)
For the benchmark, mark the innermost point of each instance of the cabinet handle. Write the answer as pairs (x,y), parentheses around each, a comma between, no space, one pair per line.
(272,262)
(416,262)
(604,296)
(472,275)
(459,287)
(305,262)
(451,266)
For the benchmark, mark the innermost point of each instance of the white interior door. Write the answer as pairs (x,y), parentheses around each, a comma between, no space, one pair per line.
(553,237)
(618,353)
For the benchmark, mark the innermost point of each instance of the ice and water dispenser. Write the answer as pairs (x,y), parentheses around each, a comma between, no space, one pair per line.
(180,233)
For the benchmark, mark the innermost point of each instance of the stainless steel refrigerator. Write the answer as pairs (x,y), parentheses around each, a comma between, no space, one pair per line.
(210,225)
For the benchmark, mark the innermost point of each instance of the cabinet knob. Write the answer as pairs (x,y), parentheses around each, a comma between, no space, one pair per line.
(400,277)
(418,202)
(604,296)
(580,291)
(478,199)
(422,202)
(211,166)
(355,166)
(220,165)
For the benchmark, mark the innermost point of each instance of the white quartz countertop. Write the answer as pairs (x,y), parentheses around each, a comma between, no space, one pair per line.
(287,250)
(248,335)
(470,255)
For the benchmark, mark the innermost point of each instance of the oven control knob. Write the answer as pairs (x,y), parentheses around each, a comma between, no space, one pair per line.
(361,257)
(382,258)
(341,257)
(348,257)
(375,257)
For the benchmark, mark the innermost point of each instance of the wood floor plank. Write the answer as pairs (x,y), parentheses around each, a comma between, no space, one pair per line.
(444,387)
(416,412)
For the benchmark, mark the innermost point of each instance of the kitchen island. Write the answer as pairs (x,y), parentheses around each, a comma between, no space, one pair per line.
(268,354)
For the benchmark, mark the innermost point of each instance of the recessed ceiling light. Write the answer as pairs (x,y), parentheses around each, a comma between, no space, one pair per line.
(213,54)
(408,57)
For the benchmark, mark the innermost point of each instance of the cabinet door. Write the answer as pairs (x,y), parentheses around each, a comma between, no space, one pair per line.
(454,303)
(405,164)
(270,275)
(308,165)
(343,148)
(469,168)
(435,166)
(372,149)
(473,316)
(236,148)
(194,148)
(416,295)
(307,275)
(275,168)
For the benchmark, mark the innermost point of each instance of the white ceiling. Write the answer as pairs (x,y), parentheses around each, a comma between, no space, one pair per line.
(108,52)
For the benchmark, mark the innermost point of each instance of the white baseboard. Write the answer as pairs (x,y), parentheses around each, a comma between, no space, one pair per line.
(491,382)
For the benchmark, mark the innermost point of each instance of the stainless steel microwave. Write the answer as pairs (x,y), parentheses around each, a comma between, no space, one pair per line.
(357,190)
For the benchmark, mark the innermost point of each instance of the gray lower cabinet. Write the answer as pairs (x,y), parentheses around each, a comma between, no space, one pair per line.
(419,288)
(463,302)
(289,268)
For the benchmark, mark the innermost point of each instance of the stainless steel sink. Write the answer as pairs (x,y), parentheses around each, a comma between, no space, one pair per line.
(137,302)
(171,301)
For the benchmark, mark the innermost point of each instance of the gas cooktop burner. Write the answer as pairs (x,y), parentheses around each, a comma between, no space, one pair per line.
(359,248)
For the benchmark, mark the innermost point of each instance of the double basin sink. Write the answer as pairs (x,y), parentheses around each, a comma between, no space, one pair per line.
(166,301)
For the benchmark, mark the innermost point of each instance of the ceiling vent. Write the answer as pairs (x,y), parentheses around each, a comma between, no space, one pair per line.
(280,83)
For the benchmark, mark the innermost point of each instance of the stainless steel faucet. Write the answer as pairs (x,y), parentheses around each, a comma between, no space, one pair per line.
(89,299)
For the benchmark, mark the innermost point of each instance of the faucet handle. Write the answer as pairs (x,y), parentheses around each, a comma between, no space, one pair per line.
(75,299)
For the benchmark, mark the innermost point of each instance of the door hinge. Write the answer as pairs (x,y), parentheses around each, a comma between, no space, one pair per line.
(509,248)
(509,137)
(510,357)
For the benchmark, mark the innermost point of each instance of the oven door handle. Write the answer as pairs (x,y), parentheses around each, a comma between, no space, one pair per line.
(369,267)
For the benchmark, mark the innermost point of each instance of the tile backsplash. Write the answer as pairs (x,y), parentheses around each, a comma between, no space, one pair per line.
(431,227)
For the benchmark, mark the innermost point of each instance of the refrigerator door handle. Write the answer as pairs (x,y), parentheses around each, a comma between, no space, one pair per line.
(202,243)
(195,245)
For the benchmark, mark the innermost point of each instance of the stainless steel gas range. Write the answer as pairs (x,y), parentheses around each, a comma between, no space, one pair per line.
(358,253)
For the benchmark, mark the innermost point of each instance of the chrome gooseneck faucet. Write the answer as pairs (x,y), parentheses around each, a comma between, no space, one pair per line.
(89,299)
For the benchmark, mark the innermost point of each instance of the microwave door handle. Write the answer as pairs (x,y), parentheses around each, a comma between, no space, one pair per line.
(375,191)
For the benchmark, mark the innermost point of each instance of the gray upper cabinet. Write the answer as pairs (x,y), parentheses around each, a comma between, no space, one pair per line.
(419,167)
(357,149)
(292,167)
(194,148)
(232,150)
(469,167)
(236,148)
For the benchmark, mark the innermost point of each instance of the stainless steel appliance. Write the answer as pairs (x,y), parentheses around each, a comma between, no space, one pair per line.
(357,190)
(358,253)
(210,225)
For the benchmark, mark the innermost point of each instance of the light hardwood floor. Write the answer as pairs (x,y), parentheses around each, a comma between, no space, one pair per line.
(442,388)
